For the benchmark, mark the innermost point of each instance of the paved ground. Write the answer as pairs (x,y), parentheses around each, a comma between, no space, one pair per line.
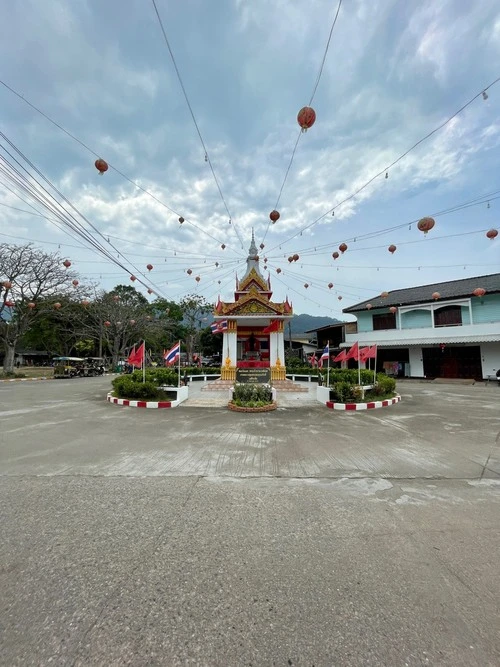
(204,537)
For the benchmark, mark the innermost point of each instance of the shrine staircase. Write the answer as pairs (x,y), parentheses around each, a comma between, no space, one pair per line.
(280,386)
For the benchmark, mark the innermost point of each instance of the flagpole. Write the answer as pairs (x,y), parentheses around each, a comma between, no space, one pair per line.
(328,367)
(375,366)
(359,370)
(144,362)
(179,366)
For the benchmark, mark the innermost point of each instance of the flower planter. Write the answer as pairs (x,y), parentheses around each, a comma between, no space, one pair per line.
(263,408)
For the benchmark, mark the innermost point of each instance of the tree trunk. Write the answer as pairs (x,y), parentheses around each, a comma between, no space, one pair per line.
(8,362)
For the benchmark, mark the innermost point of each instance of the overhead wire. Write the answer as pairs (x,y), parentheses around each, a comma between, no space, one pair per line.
(315,88)
(39,193)
(386,169)
(110,165)
(195,122)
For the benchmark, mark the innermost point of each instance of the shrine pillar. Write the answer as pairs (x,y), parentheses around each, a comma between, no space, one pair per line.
(277,353)
(229,351)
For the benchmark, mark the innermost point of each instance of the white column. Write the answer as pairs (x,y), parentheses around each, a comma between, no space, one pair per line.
(281,346)
(274,347)
(229,347)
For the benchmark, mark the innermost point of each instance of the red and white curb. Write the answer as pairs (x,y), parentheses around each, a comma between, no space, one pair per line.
(363,406)
(141,404)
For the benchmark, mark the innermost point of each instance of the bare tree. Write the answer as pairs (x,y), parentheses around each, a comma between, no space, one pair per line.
(30,281)
(195,309)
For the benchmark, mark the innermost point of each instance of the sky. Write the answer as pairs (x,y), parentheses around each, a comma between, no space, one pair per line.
(393,73)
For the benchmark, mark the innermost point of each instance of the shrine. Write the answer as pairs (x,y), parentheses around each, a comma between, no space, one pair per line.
(252,324)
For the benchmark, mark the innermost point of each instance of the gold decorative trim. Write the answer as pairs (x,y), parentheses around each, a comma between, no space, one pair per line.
(228,373)
(278,372)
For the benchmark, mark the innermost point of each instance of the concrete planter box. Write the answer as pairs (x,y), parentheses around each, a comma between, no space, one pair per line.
(273,393)
(182,393)
(263,408)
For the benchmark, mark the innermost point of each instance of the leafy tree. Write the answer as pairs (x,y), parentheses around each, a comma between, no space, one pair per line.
(33,280)
(210,343)
(195,309)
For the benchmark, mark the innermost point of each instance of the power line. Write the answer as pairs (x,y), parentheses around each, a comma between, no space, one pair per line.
(318,78)
(111,166)
(386,169)
(207,156)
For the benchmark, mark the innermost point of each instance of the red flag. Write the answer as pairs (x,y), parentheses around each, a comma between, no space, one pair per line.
(274,326)
(131,356)
(341,356)
(364,353)
(138,357)
(373,352)
(353,352)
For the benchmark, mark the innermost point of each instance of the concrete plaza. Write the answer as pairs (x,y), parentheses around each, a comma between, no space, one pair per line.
(200,536)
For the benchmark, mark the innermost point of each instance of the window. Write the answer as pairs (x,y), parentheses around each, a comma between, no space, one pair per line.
(449,316)
(386,321)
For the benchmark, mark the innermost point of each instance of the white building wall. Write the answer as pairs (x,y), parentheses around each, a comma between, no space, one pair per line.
(229,347)
(490,358)
(416,362)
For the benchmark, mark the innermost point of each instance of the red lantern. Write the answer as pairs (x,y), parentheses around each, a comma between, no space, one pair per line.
(335,255)
(393,309)
(7,284)
(306,285)
(384,295)
(149,267)
(330,285)
(31,305)
(150,291)
(265,267)
(426,224)
(57,305)
(223,246)
(339,298)
(296,257)
(132,322)
(436,296)
(306,118)
(262,246)
(278,270)
(392,249)
(343,247)
(66,263)
(116,298)
(492,234)
(216,264)
(10,304)
(189,272)
(85,303)
(265,260)
(181,219)
(197,279)
(275,216)
(290,259)
(369,306)
(218,282)
(133,278)
(101,166)
(479,291)
(75,283)
(107,323)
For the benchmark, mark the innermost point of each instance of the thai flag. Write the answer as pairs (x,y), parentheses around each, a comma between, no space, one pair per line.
(173,354)
(219,327)
(325,356)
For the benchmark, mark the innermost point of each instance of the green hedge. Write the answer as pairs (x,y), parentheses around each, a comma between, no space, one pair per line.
(302,370)
(126,387)
(345,390)
(349,375)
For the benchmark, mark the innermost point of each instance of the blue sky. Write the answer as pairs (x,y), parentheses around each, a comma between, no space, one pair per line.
(394,71)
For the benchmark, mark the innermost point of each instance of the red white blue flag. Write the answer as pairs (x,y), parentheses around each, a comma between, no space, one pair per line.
(172,355)
(219,327)
(325,356)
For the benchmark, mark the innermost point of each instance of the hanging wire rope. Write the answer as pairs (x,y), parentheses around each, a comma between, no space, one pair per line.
(195,122)
(386,169)
(315,88)
(39,193)
(111,166)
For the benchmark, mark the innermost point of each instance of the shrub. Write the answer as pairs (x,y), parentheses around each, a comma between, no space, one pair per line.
(385,385)
(248,395)
(126,387)
(343,392)
(294,362)
(350,375)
